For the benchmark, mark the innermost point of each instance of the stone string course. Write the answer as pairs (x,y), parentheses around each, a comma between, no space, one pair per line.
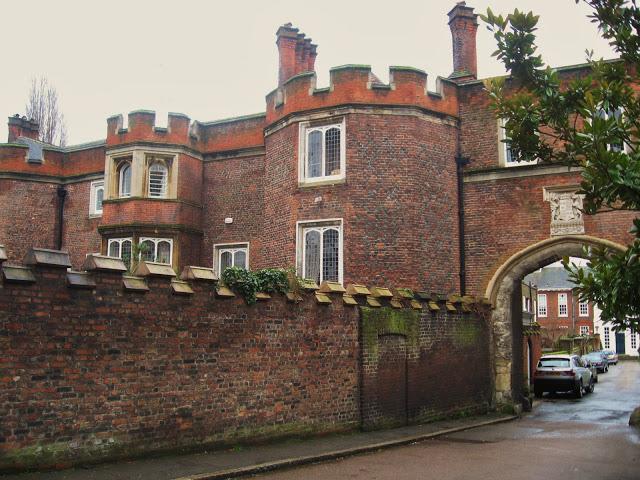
(99,364)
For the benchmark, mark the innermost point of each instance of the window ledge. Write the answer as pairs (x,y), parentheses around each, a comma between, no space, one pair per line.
(95,215)
(321,182)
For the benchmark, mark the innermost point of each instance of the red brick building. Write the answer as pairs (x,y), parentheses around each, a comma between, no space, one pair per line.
(358,182)
(361,181)
(560,311)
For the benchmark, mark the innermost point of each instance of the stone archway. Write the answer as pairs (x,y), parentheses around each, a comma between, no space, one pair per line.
(507,354)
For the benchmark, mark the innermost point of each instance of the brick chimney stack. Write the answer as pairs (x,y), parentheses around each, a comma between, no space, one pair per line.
(21,127)
(297,54)
(464,25)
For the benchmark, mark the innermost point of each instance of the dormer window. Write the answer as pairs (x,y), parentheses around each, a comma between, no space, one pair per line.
(157,182)
(124,182)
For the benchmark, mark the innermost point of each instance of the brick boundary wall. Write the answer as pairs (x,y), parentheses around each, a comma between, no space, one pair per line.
(446,365)
(97,366)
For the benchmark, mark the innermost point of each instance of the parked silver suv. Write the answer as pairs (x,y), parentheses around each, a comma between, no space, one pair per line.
(562,373)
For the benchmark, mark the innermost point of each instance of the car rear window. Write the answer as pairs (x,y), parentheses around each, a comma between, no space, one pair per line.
(554,362)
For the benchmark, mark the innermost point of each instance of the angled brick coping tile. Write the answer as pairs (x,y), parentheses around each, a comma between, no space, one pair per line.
(198,273)
(224,292)
(403,293)
(17,274)
(261,296)
(322,298)
(349,300)
(331,287)
(309,285)
(381,292)
(81,280)
(44,256)
(354,289)
(152,269)
(180,287)
(104,264)
(134,284)
(372,302)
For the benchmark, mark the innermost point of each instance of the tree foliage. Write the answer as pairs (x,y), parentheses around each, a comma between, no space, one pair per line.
(43,107)
(590,121)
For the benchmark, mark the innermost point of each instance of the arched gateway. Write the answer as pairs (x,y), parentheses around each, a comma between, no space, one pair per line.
(503,291)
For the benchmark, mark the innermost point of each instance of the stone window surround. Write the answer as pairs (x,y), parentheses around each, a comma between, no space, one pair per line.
(141,159)
(137,238)
(218,248)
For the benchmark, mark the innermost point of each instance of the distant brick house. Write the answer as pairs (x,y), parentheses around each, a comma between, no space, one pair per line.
(559,311)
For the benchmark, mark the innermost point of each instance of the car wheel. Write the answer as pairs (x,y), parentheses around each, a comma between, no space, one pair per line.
(577,391)
(591,386)
(537,392)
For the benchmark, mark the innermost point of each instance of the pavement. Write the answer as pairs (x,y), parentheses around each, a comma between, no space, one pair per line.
(243,461)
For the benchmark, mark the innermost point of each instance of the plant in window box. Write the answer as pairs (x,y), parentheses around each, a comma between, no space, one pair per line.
(138,250)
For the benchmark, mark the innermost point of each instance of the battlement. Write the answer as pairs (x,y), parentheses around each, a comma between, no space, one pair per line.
(356,84)
(51,268)
(142,128)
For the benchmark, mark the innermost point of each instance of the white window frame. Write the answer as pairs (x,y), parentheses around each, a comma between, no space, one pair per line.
(163,193)
(305,129)
(220,248)
(156,241)
(564,304)
(584,329)
(96,185)
(305,225)
(633,340)
(607,338)
(119,241)
(503,148)
(120,171)
(625,147)
(542,305)
(583,307)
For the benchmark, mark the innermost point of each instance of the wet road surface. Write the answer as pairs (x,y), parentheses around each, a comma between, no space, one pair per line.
(562,438)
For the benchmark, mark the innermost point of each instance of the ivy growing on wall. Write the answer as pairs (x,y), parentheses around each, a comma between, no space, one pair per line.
(247,283)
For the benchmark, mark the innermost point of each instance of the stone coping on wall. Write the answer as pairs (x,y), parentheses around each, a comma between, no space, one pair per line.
(97,266)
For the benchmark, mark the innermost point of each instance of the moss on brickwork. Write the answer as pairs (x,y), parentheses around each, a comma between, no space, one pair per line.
(376,321)
(467,332)
(65,454)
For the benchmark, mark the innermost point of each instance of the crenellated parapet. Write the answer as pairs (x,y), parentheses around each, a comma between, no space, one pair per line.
(356,84)
(142,128)
(42,266)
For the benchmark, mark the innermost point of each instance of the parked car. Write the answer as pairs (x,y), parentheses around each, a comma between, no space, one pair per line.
(598,360)
(562,373)
(612,357)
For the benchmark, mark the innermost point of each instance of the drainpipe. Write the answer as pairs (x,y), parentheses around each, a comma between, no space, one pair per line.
(460,163)
(62,195)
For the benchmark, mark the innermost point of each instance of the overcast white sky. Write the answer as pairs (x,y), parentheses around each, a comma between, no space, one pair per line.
(218,59)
